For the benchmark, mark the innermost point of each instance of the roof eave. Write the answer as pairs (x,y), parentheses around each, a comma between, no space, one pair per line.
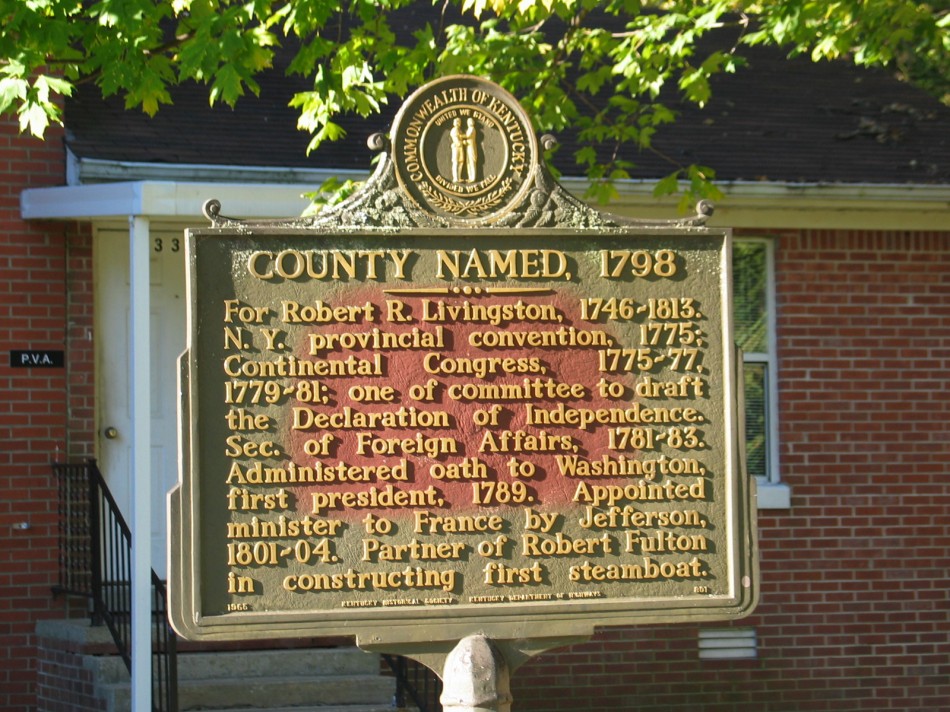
(771,205)
(753,205)
(162,200)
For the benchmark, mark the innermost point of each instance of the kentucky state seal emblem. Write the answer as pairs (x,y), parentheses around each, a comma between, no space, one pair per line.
(464,149)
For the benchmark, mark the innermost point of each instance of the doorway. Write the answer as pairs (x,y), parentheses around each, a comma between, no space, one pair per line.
(113,378)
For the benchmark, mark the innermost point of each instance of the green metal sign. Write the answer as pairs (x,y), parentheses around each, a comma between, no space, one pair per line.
(461,402)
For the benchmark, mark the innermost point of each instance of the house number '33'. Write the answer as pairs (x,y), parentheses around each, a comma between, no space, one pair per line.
(173,245)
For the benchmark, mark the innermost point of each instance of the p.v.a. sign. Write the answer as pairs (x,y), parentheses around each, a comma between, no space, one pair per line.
(459,402)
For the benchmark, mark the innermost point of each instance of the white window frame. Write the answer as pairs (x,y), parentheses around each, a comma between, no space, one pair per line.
(772,492)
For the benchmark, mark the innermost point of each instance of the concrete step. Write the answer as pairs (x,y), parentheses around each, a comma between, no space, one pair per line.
(328,679)
(319,708)
(322,708)
(306,662)
(269,693)
(342,679)
(288,691)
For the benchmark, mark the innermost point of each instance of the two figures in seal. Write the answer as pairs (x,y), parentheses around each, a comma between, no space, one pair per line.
(464,151)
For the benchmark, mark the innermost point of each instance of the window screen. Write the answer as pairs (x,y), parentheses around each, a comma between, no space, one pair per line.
(752,294)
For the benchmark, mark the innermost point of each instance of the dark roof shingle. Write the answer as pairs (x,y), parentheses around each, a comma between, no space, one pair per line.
(779,119)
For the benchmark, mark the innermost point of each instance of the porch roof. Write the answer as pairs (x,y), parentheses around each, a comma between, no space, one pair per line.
(753,205)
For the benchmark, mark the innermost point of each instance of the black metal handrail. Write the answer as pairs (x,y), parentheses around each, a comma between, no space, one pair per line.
(95,561)
(416,683)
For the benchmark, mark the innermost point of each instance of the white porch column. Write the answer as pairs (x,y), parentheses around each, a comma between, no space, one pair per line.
(141,411)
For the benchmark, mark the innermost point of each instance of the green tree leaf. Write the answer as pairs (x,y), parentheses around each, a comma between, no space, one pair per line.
(603,67)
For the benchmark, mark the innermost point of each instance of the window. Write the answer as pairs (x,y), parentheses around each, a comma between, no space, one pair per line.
(754,309)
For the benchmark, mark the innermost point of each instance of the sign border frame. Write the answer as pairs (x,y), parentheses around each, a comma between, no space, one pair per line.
(401,624)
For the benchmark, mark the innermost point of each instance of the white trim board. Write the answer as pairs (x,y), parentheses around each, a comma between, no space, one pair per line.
(744,205)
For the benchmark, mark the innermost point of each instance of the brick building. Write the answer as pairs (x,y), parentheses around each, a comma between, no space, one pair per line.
(838,187)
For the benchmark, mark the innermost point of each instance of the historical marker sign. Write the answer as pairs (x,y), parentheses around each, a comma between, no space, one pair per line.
(427,432)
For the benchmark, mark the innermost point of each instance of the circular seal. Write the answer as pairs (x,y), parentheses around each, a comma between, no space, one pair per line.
(464,149)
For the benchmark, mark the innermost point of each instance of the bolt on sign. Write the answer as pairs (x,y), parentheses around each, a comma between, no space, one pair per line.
(461,401)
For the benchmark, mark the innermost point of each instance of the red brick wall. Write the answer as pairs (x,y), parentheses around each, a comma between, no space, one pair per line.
(41,270)
(855,609)
(64,682)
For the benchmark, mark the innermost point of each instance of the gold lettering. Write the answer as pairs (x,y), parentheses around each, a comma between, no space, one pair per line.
(333,265)
(295,313)
(376,551)
(495,264)
(388,497)
(499,574)
(428,523)
(242,499)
